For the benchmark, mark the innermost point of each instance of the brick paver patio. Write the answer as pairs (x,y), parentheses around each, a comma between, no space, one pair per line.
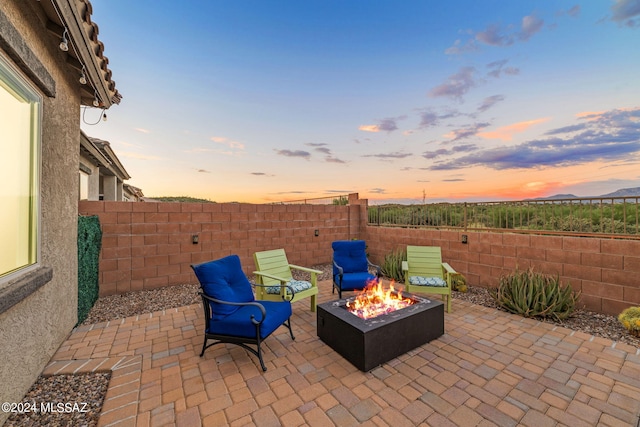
(490,368)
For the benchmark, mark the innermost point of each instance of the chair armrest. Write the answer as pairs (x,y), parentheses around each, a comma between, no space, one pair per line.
(377,267)
(305,269)
(405,265)
(282,284)
(449,272)
(254,303)
(448,268)
(340,269)
(271,276)
(312,272)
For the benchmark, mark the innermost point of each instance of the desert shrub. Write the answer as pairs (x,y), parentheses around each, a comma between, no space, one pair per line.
(392,265)
(459,283)
(606,225)
(341,201)
(570,223)
(532,294)
(630,319)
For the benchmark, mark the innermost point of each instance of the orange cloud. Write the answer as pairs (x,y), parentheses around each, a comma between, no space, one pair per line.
(505,133)
(370,128)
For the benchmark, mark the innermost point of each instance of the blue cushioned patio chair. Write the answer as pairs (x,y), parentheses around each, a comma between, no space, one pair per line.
(424,272)
(275,273)
(232,315)
(351,266)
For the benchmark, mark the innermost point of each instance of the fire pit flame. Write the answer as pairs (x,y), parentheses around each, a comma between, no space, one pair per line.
(375,301)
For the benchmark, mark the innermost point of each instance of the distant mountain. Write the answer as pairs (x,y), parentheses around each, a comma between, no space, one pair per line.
(556,196)
(624,192)
(562,196)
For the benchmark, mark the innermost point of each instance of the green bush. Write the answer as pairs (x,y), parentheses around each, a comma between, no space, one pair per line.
(459,283)
(89,243)
(532,294)
(392,265)
(630,319)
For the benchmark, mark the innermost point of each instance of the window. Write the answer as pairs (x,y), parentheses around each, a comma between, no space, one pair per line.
(84,185)
(20,117)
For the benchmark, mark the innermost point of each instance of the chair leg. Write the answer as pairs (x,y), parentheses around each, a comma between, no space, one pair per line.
(333,290)
(257,352)
(204,346)
(259,346)
(288,325)
(313,303)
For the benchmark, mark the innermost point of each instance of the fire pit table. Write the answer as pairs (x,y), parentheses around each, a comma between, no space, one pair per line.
(368,343)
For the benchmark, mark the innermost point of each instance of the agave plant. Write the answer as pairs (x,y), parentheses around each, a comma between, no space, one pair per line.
(392,265)
(532,294)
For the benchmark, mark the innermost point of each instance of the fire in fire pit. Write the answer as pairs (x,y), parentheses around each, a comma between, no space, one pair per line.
(374,301)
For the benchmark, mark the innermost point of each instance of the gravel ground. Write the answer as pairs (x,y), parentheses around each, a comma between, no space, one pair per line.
(91,388)
(63,400)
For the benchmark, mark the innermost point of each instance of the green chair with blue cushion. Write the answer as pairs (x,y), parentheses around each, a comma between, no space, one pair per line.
(232,315)
(424,272)
(274,273)
(351,266)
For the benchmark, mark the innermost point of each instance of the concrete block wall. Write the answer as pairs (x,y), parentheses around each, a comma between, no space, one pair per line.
(606,271)
(149,245)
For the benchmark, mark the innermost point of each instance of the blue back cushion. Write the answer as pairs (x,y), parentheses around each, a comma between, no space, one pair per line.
(351,255)
(224,279)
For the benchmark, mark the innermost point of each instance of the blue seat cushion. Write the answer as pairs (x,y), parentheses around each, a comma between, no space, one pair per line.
(296,285)
(351,255)
(427,281)
(238,324)
(224,279)
(353,281)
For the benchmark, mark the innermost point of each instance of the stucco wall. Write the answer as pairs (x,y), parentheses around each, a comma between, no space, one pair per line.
(32,330)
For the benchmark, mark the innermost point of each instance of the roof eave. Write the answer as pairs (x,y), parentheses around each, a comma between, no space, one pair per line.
(76,16)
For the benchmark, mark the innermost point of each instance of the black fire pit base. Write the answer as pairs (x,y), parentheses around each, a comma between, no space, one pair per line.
(372,342)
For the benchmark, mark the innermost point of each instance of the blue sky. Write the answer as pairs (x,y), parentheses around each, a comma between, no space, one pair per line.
(260,101)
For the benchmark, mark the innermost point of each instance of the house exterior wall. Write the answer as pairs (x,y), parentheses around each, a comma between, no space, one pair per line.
(149,245)
(33,329)
(110,188)
(94,178)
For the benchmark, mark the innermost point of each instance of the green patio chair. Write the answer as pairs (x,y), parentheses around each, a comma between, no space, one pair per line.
(275,276)
(424,272)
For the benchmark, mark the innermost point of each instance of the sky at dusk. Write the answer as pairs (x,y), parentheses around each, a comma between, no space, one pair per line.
(400,101)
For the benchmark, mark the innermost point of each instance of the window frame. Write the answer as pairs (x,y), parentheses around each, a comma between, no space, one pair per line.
(17,82)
